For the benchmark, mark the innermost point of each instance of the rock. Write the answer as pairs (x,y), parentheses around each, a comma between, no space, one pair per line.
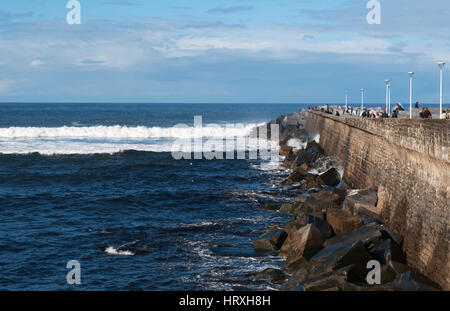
(271,229)
(394,236)
(332,281)
(298,277)
(271,207)
(414,281)
(319,222)
(270,242)
(311,153)
(342,221)
(296,223)
(341,190)
(397,267)
(287,208)
(327,196)
(271,275)
(304,243)
(369,213)
(340,255)
(367,234)
(312,206)
(314,148)
(331,177)
(313,181)
(296,176)
(361,198)
(285,150)
(388,250)
(284,250)
(302,198)
(290,159)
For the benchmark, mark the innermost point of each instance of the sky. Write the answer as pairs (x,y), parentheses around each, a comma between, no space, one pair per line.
(222,51)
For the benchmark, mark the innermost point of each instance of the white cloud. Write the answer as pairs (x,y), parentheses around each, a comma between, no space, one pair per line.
(37,63)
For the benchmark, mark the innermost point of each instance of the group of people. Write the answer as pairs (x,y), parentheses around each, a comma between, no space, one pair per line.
(373,113)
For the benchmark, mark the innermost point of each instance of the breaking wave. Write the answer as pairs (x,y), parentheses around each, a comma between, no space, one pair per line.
(126,132)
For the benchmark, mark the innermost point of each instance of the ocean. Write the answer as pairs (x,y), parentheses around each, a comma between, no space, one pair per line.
(97,183)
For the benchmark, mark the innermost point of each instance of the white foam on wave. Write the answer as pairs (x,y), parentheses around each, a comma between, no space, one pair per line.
(126,132)
(113,251)
(67,146)
(296,143)
(115,139)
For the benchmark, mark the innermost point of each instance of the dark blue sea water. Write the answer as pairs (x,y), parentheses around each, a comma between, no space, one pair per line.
(96,183)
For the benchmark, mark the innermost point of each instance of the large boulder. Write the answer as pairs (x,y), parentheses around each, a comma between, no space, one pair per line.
(296,176)
(342,221)
(270,242)
(331,177)
(414,281)
(298,277)
(327,196)
(331,281)
(387,250)
(362,199)
(394,236)
(313,181)
(311,153)
(287,208)
(285,150)
(318,220)
(367,234)
(270,275)
(337,256)
(296,223)
(304,243)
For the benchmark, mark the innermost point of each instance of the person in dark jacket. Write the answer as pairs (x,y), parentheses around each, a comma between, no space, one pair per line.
(425,113)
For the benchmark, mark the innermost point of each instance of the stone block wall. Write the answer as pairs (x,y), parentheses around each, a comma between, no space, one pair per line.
(408,161)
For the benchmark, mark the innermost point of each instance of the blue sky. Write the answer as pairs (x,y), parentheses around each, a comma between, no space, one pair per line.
(214,51)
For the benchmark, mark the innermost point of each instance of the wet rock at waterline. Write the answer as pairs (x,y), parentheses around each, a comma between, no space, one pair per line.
(319,222)
(270,275)
(298,277)
(303,243)
(270,242)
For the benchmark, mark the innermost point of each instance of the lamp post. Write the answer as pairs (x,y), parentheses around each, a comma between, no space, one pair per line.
(346,101)
(441,65)
(362,99)
(410,93)
(389,99)
(387,91)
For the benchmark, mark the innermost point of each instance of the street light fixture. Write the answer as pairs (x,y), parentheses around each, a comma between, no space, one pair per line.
(346,101)
(441,65)
(411,73)
(387,91)
(362,99)
(389,99)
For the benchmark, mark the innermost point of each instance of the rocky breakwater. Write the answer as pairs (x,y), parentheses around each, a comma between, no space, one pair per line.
(334,233)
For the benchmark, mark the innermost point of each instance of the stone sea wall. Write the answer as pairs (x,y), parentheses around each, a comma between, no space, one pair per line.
(408,161)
